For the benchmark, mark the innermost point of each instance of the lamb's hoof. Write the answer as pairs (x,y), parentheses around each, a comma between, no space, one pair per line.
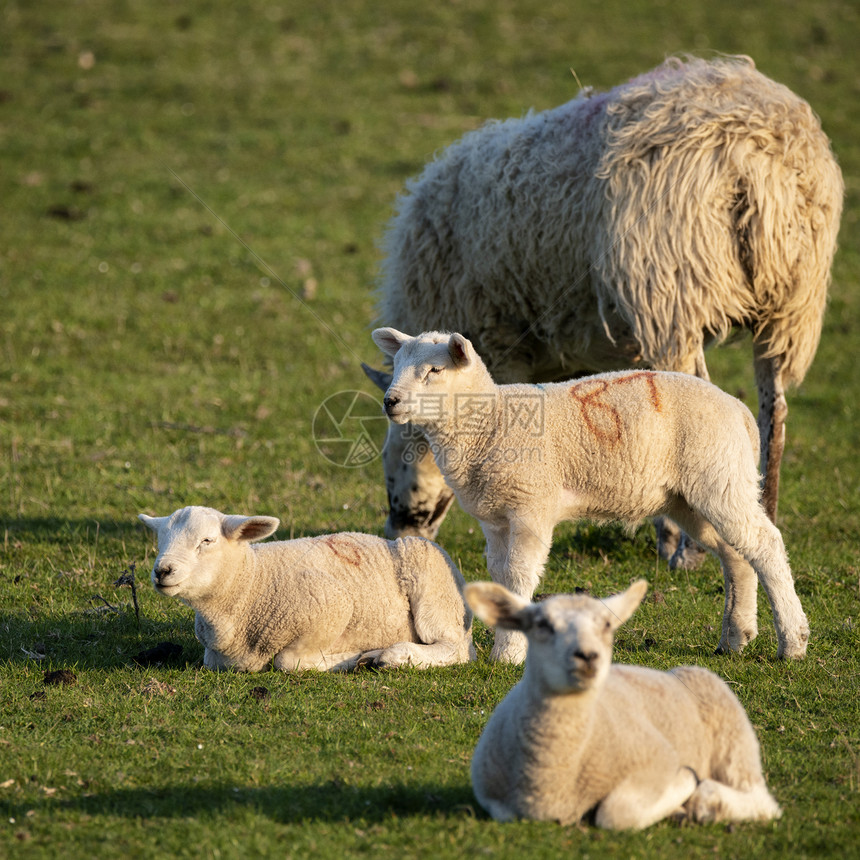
(734,640)
(794,649)
(706,803)
(369,660)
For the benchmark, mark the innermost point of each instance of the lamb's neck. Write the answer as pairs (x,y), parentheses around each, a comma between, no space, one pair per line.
(462,435)
(570,715)
(232,590)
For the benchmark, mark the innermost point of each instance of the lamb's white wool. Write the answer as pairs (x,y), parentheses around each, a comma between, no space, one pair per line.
(623,228)
(627,445)
(579,734)
(329,602)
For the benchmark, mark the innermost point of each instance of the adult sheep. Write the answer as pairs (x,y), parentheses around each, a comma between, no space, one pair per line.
(624,228)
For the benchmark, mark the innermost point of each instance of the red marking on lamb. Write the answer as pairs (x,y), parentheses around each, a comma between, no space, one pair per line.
(588,392)
(343,548)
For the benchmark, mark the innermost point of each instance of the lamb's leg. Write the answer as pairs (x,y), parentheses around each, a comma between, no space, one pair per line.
(740,623)
(675,547)
(516,555)
(645,797)
(441,622)
(295,659)
(216,661)
(414,654)
(761,544)
(714,801)
(750,537)
(772,412)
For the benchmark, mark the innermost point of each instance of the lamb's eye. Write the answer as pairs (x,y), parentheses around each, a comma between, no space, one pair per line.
(543,624)
(436,369)
(207,542)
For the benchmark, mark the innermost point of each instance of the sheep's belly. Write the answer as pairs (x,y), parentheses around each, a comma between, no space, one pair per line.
(627,505)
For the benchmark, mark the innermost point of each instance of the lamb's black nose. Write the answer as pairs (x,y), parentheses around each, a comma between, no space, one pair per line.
(161,572)
(389,402)
(589,657)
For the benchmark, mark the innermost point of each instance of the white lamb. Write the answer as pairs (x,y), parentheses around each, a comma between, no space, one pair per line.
(631,745)
(628,445)
(628,227)
(330,602)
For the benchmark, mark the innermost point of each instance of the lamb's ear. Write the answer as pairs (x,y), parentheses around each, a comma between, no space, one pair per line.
(623,605)
(249,528)
(461,350)
(152,522)
(379,378)
(498,607)
(389,340)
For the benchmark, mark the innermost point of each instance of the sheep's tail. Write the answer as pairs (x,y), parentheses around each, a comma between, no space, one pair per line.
(724,201)
(786,220)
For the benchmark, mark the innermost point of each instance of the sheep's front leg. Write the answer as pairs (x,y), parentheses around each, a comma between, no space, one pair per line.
(516,555)
(215,660)
(715,801)
(644,798)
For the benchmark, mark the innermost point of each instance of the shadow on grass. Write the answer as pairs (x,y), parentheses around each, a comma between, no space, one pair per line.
(332,801)
(90,639)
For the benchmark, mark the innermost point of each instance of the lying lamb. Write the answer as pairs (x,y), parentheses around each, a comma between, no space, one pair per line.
(330,602)
(578,734)
(624,446)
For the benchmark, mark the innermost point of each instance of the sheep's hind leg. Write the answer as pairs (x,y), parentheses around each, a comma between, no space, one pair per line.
(740,621)
(412,654)
(714,801)
(760,542)
(643,799)
(294,660)
(772,412)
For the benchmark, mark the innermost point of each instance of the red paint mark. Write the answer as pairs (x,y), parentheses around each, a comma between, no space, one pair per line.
(344,548)
(588,393)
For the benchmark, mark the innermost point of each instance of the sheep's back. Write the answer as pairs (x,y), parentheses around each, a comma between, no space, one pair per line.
(360,569)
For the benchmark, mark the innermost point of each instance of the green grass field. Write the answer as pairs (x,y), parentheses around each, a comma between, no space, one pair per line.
(191,199)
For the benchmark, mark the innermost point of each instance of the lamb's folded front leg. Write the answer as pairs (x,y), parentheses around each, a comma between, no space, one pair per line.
(516,555)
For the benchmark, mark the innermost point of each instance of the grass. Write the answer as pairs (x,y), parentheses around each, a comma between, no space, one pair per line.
(176,177)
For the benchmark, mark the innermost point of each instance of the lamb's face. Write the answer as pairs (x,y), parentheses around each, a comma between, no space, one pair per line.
(570,642)
(190,551)
(427,370)
(420,380)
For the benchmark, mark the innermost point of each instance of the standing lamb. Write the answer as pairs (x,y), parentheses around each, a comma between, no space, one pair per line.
(579,734)
(629,227)
(328,602)
(522,458)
